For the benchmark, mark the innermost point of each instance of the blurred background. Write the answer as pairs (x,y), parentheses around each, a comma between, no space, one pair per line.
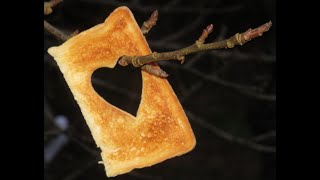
(228,95)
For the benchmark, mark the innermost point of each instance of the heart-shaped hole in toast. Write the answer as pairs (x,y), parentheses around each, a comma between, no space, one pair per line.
(120,86)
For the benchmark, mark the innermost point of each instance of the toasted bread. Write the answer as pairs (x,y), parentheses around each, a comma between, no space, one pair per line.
(160,129)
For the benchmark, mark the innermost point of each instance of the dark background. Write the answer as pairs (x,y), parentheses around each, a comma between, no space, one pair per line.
(231,90)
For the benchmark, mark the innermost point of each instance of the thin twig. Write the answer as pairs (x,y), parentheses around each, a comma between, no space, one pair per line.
(56,32)
(48,8)
(229,137)
(198,46)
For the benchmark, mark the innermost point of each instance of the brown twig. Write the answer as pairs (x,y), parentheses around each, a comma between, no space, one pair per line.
(152,21)
(229,137)
(48,8)
(56,32)
(49,5)
(237,39)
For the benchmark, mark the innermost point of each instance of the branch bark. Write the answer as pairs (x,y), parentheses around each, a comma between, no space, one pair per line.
(55,31)
(198,46)
(48,9)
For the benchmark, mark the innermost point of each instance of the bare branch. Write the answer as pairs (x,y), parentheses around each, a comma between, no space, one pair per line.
(56,32)
(229,137)
(152,21)
(198,46)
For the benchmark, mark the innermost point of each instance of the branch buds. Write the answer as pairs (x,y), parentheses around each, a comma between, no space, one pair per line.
(253,33)
(154,70)
(152,21)
(205,34)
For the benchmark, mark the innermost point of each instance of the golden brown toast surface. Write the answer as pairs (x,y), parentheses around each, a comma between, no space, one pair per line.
(159,131)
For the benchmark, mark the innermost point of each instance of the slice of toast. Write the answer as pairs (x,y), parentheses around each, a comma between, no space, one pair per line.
(160,130)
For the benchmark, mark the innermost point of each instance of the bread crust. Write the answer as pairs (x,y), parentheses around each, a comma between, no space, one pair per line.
(160,129)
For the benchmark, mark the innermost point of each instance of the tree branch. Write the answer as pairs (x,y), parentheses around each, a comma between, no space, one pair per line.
(48,8)
(56,32)
(198,46)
